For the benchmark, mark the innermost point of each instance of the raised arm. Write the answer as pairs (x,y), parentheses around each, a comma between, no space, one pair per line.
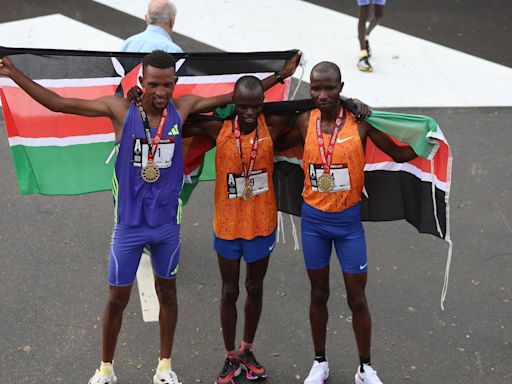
(108,106)
(399,153)
(196,104)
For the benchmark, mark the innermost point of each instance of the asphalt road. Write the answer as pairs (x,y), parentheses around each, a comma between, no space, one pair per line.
(53,269)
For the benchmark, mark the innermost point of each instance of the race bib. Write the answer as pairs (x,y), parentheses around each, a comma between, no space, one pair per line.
(236,183)
(339,173)
(163,155)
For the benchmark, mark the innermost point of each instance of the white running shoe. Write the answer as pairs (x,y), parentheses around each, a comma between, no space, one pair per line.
(318,374)
(98,379)
(369,376)
(166,377)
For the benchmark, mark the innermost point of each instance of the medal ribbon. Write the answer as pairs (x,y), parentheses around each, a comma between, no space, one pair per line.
(254,149)
(327,160)
(153,143)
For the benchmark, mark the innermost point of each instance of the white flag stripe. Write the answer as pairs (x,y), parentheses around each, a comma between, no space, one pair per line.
(63,83)
(407,167)
(61,141)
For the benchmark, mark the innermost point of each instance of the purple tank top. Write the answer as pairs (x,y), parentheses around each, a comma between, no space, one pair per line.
(137,202)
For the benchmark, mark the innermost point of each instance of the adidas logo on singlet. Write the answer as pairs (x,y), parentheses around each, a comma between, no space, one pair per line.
(174,130)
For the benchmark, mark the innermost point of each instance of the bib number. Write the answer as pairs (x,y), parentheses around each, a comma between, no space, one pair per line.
(163,156)
(339,173)
(258,181)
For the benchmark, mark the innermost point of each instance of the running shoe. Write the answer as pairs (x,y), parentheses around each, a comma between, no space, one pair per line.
(318,374)
(367,376)
(364,65)
(253,369)
(368,48)
(165,377)
(98,379)
(230,370)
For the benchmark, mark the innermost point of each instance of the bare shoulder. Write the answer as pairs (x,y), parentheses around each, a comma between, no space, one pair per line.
(119,106)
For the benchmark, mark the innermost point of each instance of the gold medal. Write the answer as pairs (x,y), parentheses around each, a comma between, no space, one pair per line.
(247,194)
(325,183)
(150,173)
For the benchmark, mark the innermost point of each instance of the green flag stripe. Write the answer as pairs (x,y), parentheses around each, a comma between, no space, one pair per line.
(70,170)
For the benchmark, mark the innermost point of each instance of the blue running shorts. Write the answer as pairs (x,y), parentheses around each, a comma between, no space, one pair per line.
(344,229)
(368,2)
(126,250)
(251,250)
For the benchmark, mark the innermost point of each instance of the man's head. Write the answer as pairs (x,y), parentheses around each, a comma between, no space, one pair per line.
(158,78)
(161,13)
(248,98)
(325,85)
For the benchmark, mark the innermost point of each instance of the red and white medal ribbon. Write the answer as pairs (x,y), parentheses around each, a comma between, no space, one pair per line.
(153,143)
(254,150)
(327,159)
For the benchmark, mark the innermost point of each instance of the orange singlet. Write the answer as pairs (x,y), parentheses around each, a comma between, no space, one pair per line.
(347,167)
(234,217)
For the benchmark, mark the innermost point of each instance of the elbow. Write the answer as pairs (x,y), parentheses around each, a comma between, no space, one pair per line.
(56,105)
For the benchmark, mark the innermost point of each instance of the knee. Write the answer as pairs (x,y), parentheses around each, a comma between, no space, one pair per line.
(116,304)
(358,303)
(378,13)
(230,293)
(320,294)
(167,296)
(254,289)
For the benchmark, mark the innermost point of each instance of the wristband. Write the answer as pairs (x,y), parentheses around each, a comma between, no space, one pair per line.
(279,78)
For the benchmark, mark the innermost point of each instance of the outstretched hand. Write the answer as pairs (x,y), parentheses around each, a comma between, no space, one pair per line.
(6,66)
(363,110)
(290,65)
(135,95)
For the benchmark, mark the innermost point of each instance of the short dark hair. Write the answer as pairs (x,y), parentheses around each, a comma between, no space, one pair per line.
(159,59)
(248,83)
(327,66)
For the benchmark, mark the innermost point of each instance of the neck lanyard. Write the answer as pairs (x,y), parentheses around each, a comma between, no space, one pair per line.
(254,150)
(327,159)
(153,143)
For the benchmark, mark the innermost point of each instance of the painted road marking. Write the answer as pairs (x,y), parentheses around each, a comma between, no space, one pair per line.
(146,284)
(56,32)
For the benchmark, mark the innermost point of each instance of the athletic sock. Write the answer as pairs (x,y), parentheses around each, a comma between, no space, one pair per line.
(232,354)
(164,365)
(245,345)
(106,369)
(320,356)
(363,53)
(364,360)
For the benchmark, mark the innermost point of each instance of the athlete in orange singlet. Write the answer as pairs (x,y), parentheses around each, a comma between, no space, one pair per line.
(245,216)
(333,164)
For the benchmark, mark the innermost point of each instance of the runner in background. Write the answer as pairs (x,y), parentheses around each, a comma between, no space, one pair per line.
(363,32)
